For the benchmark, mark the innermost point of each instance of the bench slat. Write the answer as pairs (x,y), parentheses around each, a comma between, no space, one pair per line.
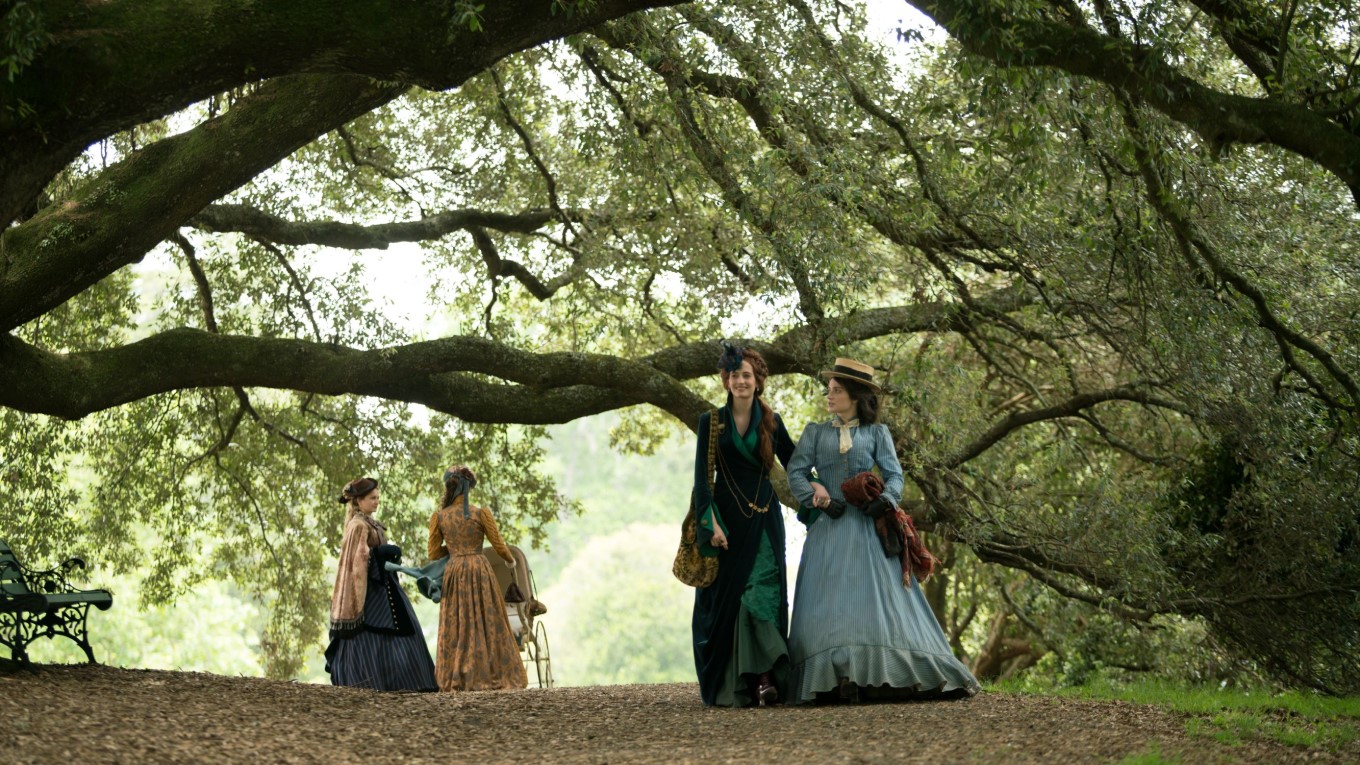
(100,599)
(27,603)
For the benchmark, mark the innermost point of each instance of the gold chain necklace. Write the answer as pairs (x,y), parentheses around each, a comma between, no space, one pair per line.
(736,490)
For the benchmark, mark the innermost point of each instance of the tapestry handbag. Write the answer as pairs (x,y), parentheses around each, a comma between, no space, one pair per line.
(690,567)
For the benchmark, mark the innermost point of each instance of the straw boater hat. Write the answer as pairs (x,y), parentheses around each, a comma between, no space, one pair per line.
(849,369)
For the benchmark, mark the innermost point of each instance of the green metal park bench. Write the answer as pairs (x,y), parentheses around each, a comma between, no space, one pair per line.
(36,604)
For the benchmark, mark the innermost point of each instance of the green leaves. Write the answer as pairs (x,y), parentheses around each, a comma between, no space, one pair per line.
(469,14)
(22,36)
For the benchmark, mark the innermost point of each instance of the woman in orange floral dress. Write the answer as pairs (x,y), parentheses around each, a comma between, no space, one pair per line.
(477,650)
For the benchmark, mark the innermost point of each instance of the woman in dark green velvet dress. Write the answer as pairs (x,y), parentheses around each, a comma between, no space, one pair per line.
(740,622)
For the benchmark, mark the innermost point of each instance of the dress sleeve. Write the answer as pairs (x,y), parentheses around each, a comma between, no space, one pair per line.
(436,548)
(783,443)
(801,463)
(885,455)
(493,535)
(704,530)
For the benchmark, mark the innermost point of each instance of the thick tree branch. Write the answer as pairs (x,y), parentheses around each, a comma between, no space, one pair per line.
(114,64)
(258,224)
(434,373)
(142,200)
(1220,118)
(448,375)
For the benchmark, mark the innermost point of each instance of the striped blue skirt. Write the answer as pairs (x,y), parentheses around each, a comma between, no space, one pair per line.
(389,652)
(382,662)
(853,618)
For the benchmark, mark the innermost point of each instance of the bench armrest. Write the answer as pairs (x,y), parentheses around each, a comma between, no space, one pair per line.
(53,581)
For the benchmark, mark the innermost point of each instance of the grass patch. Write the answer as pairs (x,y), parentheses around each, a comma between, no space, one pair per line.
(1230,716)
(1153,756)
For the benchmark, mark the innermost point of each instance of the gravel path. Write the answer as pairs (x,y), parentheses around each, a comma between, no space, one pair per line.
(92,714)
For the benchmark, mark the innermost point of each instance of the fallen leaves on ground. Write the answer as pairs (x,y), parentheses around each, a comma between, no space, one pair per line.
(95,714)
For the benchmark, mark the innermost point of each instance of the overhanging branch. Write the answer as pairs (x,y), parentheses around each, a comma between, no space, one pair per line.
(1072,407)
(258,224)
(144,199)
(1220,118)
(117,63)
(473,378)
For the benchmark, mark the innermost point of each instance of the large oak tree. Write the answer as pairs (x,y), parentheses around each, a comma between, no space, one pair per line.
(1102,252)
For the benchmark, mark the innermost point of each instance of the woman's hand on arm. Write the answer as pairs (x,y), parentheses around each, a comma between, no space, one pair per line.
(820,496)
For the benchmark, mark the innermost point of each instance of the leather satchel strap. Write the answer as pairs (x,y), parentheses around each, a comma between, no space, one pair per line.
(714,429)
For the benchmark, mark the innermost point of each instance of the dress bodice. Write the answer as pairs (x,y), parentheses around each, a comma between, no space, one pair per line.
(453,534)
(737,477)
(819,449)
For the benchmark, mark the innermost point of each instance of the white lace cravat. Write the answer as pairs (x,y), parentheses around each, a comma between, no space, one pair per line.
(844,427)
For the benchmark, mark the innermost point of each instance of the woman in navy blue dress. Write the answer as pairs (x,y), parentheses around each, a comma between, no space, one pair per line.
(856,627)
(376,640)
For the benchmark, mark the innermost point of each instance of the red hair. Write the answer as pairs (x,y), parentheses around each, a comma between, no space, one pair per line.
(765,443)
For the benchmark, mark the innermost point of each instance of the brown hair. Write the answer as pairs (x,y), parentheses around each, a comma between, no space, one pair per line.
(765,443)
(866,400)
(353,492)
(357,489)
(453,485)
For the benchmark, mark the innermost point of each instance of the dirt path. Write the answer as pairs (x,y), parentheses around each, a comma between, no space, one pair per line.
(84,714)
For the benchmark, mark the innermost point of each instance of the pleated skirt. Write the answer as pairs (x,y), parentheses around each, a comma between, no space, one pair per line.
(852,617)
(380,656)
(382,661)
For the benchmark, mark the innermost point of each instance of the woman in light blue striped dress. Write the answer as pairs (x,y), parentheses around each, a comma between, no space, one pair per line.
(856,630)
